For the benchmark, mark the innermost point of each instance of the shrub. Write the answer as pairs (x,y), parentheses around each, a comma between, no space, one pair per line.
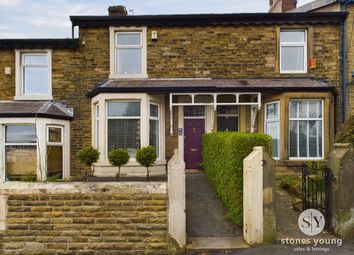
(118,157)
(88,155)
(223,155)
(146,157)
(346,132)
(292,184)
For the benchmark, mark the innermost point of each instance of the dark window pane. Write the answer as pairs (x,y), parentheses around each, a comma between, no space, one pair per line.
(54,161)
(303,145)
(293,138)
(55,135)
(124,133)
(227,123)
(21,161)
(21,134)
(124,109)
(154,110)
(227,109)
(154,134)
(194,111)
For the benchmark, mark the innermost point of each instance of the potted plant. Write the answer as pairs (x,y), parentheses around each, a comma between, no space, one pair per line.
(146,157)
(118,157)
(88,155)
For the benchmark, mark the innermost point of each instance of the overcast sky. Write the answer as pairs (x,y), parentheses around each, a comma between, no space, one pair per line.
(50,18)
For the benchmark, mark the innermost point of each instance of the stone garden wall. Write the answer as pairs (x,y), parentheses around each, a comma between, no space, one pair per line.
(83,218)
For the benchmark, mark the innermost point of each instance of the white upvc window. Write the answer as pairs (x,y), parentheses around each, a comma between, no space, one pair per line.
(33,75)
(20,151)
(306,129)
(128,53)
(272,125)
(124,126)
(154,127)
(293,51)
(55,144)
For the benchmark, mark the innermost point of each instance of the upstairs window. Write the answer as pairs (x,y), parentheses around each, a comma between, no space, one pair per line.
(33,75)
(128,56)
(293,51)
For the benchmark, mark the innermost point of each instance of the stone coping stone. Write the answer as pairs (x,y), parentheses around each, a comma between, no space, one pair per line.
(28,188)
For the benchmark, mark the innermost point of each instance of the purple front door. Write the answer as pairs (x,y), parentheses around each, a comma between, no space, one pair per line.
(193,131)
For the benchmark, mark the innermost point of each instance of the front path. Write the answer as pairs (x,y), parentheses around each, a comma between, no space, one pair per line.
(205,213)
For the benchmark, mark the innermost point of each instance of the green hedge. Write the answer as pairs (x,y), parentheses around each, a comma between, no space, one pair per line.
(223,155)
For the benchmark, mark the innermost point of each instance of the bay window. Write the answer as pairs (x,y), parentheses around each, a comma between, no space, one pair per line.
(124,120)
(272,126)
(20,151)
(154,124)
(306,129)
(293,51)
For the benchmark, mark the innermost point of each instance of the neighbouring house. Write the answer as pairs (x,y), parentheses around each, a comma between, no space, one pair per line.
(130,81)
(347,55)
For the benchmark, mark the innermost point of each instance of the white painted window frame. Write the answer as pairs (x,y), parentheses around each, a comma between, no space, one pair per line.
(293,44)
(123,118)
(307,119)
(275,120)
(159,125)
(19,55)
(113,31)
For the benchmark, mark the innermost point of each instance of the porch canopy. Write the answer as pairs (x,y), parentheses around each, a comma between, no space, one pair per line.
(207,91)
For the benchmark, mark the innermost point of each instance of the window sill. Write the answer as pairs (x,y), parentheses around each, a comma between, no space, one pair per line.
(34,97)
(128,76)
(132,163)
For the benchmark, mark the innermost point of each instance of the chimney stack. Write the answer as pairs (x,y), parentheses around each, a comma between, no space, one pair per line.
(117,10)
(282,5)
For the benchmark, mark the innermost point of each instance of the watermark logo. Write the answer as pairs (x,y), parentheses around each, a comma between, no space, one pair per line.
(311,222)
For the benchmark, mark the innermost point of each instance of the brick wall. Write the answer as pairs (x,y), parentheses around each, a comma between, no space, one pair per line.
(103,219)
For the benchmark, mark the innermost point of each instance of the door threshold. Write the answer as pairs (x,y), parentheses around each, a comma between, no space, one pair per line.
(216,243)
(193,171)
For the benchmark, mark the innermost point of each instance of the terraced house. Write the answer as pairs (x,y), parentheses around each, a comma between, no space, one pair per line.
(165,80)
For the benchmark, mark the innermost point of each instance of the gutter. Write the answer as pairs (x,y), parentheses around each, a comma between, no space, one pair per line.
(344,60)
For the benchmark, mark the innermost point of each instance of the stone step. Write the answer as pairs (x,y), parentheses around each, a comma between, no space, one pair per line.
(216,243)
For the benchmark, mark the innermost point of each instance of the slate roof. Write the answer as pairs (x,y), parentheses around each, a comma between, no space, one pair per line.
(275,85)
(313,5)
(44,109)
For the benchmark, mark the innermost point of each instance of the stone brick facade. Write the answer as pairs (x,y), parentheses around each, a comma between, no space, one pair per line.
(239,51)
(85,219)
